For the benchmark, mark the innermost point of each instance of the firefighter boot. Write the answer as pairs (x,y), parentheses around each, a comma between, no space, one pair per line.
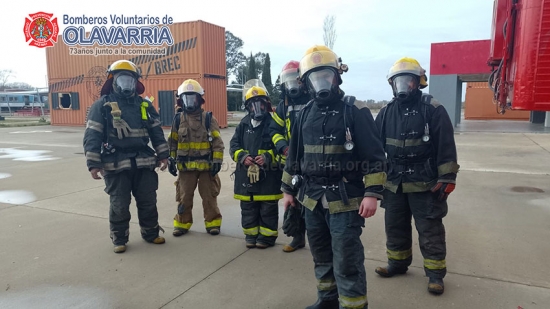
(390,271)
(436,286)
(119,248)
(179,231)
(297,242)
(325,304)
(159,240)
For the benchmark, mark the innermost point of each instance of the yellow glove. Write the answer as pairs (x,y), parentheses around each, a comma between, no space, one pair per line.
(253,173)
(122,128)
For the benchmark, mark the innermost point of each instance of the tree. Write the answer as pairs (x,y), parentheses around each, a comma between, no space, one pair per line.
(266,74)
(4,77)
(234,58)
(329,31)
(20,86)
(251,71)
(276,92)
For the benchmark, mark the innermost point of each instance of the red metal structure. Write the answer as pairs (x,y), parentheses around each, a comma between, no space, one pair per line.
(520,55)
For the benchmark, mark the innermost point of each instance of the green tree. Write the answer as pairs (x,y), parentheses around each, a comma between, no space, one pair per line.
(234,58)
(252,72)
(266,74)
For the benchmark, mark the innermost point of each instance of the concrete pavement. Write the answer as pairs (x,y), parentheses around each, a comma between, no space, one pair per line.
(56,251)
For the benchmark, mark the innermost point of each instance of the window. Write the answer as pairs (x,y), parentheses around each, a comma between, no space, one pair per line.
(64,100)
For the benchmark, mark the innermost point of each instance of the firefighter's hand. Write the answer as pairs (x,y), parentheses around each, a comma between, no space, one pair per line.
(248,161)
(163,164)
(95,171)
(215,169)
(285,151)
(288,200)
(260,160)
(443,189)
(368,207)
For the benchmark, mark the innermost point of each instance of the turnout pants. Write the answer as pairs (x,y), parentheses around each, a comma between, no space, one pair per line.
(209,189)
(338,255)
(260,221)
(143,184)
(428,215)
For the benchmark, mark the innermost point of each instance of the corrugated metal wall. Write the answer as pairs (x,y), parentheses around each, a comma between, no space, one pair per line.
(479,104)
(198,50)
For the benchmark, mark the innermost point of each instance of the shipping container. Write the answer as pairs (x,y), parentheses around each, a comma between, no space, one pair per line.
(198,52)
(479,105)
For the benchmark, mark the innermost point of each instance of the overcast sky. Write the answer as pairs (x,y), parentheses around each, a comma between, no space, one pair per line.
(371,34)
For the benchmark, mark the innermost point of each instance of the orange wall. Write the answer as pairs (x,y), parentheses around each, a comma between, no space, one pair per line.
(479,104)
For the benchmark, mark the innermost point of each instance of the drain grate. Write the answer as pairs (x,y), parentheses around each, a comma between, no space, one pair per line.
(526,189)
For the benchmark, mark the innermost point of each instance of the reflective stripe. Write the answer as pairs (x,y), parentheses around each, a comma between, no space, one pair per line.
(258,198)
(194,145)
(296,107)
(267,232)
(435,264)
(399,255)
(253,231)
(287,178)
(94,125)
(288,128)
(375,179)
(236,154)
(447,168)
(328,149)
(217,155)
(213,223)
(276,138)
(339,206)
(161,148)
(202,166)
(180,225)
(144,106)
(133,133)
(174,135)
(121,165)
(156,123)
(326,285)
(405,143)
(278,119)
(216,134)
(146,161)
(358,302)
(173,154)
(270,152)
(93,156)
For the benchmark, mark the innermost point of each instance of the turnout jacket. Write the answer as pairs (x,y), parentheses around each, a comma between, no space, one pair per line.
(105,150)
(415,163)
(284,117)
(317,153)
(189,142)
(248,140)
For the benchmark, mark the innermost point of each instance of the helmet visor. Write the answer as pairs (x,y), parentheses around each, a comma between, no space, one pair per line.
(125,83)
(404,85)
(292,88)
(190,101)
(322,81)
(257,108)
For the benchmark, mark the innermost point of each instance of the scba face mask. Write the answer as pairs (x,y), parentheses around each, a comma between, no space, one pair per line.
(293,89)
(190,101)
(323,85)
(124,84)
(257,108)
(404,86)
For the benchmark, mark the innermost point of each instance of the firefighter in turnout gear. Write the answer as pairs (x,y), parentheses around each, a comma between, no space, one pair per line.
(197,148)
(258,173)
(294,97)
(119,127)
(336,169)
(422,165)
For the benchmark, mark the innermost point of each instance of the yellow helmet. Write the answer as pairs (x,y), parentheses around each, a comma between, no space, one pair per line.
(122,65)
(407,65)
(190,85)
(320,56)
(255,91)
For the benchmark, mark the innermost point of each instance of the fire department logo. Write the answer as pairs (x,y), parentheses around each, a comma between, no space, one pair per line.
(190,87)
(94,81)
(316,58)
(41,30)
(254,92)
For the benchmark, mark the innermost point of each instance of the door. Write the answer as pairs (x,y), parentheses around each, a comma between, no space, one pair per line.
(167,100)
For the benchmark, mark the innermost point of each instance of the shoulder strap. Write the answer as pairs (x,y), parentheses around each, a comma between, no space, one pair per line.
(426,98)
(349,101)
(208,121)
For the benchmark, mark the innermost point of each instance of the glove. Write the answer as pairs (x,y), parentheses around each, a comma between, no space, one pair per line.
(215,169)
(253,173)
(172,166)
(293,223)
(122,128)
(444,189)
(285,151)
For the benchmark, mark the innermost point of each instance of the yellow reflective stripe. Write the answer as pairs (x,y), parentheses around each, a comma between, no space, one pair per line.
(253,231)
(375,179)
(399,255)
(173,154)
(180,225)
(270,152)
(144,106)
(267,232)
(447,168)
(217,155)
(287,178)
(174,135)
(236,154)
(194,145)
(216,134)
(278,120)
(288,128)
(326,285)
(194,165)
(258,198)
(213,223)
(276,138)
(435,264)
(358,302)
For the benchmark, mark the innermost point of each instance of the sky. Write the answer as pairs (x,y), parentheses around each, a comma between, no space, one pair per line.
(370,34)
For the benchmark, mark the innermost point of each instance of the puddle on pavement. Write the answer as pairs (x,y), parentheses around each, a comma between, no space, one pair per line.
(55,297)
(526,190)
(4,175)
(16,197)
(26,155)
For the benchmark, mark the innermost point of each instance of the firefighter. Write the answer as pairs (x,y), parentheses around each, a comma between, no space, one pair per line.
(119,127)
(258,173)
(197,148)
(422,162)
(335,168)
(294,97)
